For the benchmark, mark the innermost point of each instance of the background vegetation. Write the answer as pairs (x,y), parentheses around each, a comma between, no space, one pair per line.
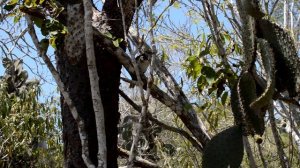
(200,44)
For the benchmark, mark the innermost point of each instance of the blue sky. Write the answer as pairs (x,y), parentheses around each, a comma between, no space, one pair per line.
(32,63)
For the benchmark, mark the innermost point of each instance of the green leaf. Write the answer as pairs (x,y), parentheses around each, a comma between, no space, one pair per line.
(41,1)
(28,3)
(176,5)
(52,42)
(193,67)
(237,49)
(11,5)
(224,98)
(109,35)
(164,56)
(52,27)
(205,51)
(116,44)
(209,73)
(17,18)
(201,82)
(64,30)
(226,36)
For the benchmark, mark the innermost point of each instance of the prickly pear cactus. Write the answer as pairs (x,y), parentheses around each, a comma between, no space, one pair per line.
(267,59)
(285,54)
(253,8)
(248,34)
(235,106)
(254,121)
(224,150)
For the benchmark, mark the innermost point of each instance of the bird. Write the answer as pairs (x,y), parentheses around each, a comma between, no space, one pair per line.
(143,62)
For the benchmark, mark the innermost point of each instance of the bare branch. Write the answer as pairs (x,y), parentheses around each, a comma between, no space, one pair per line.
(138,161)
(282,157)
(177,93)
(252,163)
(187,115)
(163,125)
(94,82)
(145,98)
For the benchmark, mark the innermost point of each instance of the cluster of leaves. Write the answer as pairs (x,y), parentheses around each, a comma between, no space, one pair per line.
(43,13)
(210,75)
(29,130)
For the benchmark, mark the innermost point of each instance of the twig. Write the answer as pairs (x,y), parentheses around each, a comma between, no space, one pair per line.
(129,81)
(183,133)
(252,163)
(263,160)
(138,160)
(214,25)
(145,99)
(292,117)
(274,6)
(187,115)
(180,98)
(289,100)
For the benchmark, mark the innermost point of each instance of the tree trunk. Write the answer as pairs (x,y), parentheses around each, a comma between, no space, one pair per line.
(75,77)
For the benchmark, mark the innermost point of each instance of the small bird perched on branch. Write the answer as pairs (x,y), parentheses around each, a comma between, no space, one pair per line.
(143,62)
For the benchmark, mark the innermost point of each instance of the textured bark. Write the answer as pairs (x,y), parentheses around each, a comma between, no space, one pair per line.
(76,80)
(64,92)
(75,77)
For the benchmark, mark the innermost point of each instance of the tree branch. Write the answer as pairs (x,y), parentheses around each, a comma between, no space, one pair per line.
(174,88)
(138,161)
(94,82)
(187,115)
(163,125)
